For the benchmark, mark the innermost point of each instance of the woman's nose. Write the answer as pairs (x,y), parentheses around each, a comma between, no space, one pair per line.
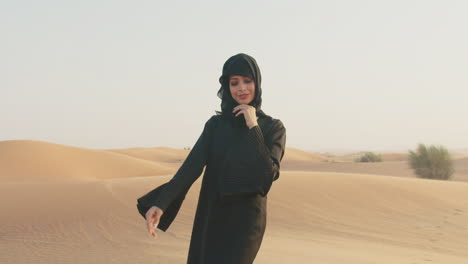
(243,86)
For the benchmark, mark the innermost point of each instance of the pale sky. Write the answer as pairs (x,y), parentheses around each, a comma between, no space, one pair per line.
(357,75)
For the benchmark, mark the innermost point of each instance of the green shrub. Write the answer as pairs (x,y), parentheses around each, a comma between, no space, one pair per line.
(369,157)
(431,162)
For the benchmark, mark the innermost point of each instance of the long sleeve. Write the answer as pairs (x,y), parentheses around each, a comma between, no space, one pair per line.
(269,154)
(189,172)
(145,202)
(265,154)
(170,195)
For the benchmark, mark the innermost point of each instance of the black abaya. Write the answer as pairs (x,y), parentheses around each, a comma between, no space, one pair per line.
(241,165)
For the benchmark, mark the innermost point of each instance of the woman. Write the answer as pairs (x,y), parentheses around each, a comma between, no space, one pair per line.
(242,148)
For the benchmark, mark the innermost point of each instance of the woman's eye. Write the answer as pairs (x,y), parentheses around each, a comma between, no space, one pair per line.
(247,81)
(234,83)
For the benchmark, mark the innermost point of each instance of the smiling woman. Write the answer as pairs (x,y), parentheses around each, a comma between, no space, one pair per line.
(242,148)
(242,89)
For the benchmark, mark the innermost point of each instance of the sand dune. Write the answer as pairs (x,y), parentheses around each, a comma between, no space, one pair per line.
(390,156)
(312,218)
(30,160)
(300,155)
(171,155)
(62,204)
(387,168)
(158,154)
(25,160)
(385,156)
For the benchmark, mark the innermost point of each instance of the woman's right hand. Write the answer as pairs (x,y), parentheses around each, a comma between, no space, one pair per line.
(152,219)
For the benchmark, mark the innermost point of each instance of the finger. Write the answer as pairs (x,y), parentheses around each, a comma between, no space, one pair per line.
(240,106)
(150,229)
(155,225)
(150,222)
(240,112)
(153,232)
(156,222)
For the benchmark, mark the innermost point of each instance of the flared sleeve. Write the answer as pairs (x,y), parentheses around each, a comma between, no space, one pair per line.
(170,195)
(265,153)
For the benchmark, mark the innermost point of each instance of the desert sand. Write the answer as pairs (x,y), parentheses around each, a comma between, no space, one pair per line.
(64,204)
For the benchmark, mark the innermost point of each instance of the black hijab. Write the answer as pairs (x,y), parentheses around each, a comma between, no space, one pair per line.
(244,65)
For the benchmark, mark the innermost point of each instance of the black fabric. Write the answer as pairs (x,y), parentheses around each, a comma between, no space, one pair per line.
(230,221)
(240,165)
(145,202)
(244,65)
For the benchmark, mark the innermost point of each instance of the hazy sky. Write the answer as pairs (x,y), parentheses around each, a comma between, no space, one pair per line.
(365,75)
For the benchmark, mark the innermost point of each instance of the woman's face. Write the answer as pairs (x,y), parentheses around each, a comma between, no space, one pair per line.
(242,89)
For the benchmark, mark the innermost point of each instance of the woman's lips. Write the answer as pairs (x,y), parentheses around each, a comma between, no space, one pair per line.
(243,96)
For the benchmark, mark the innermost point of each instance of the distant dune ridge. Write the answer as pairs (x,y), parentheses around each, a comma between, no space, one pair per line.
(59,202)
(157,154)
(23,160)
(294,154)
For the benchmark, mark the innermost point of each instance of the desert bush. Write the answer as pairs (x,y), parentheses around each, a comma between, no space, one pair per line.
(369,157)
(433,162)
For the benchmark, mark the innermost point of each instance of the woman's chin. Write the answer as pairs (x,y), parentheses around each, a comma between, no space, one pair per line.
(243,101)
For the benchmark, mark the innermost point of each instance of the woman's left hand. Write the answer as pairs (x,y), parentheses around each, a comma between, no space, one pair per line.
(249,113)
